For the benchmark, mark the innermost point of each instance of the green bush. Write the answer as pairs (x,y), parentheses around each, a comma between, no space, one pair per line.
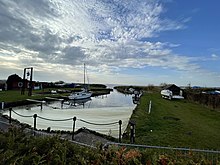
(18,148)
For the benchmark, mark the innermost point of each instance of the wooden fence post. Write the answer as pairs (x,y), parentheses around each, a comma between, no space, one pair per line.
(132,131)
(74,124)
(10,109)
(35,123)
(120,122)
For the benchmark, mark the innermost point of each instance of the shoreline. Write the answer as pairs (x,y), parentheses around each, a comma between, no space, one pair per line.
(83,134)
(97,92)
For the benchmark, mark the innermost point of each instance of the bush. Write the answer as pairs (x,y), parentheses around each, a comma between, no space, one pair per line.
(18,148)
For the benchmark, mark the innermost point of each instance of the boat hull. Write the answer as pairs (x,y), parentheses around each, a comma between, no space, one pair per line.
(80,95)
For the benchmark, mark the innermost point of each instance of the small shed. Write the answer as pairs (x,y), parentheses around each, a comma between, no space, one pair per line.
(173,88)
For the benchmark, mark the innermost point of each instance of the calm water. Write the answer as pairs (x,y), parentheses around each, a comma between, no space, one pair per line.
(99,110)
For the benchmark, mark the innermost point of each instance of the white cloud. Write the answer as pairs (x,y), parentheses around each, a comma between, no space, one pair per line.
(107,35)
(214,56)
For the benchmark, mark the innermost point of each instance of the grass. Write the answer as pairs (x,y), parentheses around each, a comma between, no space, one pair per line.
(15,95)
(176,123)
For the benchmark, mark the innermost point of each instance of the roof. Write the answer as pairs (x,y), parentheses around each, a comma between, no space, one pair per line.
(170,85)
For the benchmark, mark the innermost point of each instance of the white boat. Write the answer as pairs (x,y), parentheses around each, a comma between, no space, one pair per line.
(169,95)
(80,95)
(84,94)
(76,103)
(166,94)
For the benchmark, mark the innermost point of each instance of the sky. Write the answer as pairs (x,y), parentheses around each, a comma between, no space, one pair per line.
(139,42)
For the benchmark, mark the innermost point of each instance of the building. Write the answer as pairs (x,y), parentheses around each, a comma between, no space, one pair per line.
(15,82)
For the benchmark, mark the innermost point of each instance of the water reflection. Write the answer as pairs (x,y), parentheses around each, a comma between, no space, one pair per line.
(103,109)
(76,103)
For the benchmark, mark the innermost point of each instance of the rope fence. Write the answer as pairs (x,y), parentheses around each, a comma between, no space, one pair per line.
(54,119)
(214,155)
(21,115)
(113,123)
(35,116)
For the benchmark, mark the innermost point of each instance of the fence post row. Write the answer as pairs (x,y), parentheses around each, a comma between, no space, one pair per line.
(74,124)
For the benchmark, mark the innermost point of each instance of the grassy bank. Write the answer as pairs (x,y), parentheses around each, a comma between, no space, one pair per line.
(176,123)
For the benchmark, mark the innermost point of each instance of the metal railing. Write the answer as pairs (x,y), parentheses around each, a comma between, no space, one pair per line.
(213,156)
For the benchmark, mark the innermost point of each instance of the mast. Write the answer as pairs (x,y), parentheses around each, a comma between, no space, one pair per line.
(84,74)
(86,86)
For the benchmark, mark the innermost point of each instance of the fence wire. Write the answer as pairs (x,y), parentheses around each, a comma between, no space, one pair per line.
(54,119)
(212,155)
(113,123)
(48,119)
(21,115)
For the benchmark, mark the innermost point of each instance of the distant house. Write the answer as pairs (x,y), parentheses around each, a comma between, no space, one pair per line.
(15,82)
(172,92)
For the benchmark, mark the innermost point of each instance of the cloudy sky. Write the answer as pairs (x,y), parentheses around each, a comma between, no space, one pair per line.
(136,42)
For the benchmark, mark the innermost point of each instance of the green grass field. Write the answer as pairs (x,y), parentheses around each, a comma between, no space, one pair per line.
(176,123)
(15,95)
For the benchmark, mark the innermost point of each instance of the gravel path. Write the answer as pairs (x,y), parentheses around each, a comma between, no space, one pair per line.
(4,124)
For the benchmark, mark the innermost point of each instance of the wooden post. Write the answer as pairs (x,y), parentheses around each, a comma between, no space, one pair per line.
(30,82)
(62,102)
(74,124)
(35,123)
(120,123)
(23,86)
(132,132)
(10,109)
(3,105)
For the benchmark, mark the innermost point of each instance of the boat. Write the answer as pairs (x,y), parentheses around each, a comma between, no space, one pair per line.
(76,103)
(169,95)
(166,94)
(84,94)
(80,95)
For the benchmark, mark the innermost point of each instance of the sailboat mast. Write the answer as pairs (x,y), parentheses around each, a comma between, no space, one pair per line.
(84,74)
